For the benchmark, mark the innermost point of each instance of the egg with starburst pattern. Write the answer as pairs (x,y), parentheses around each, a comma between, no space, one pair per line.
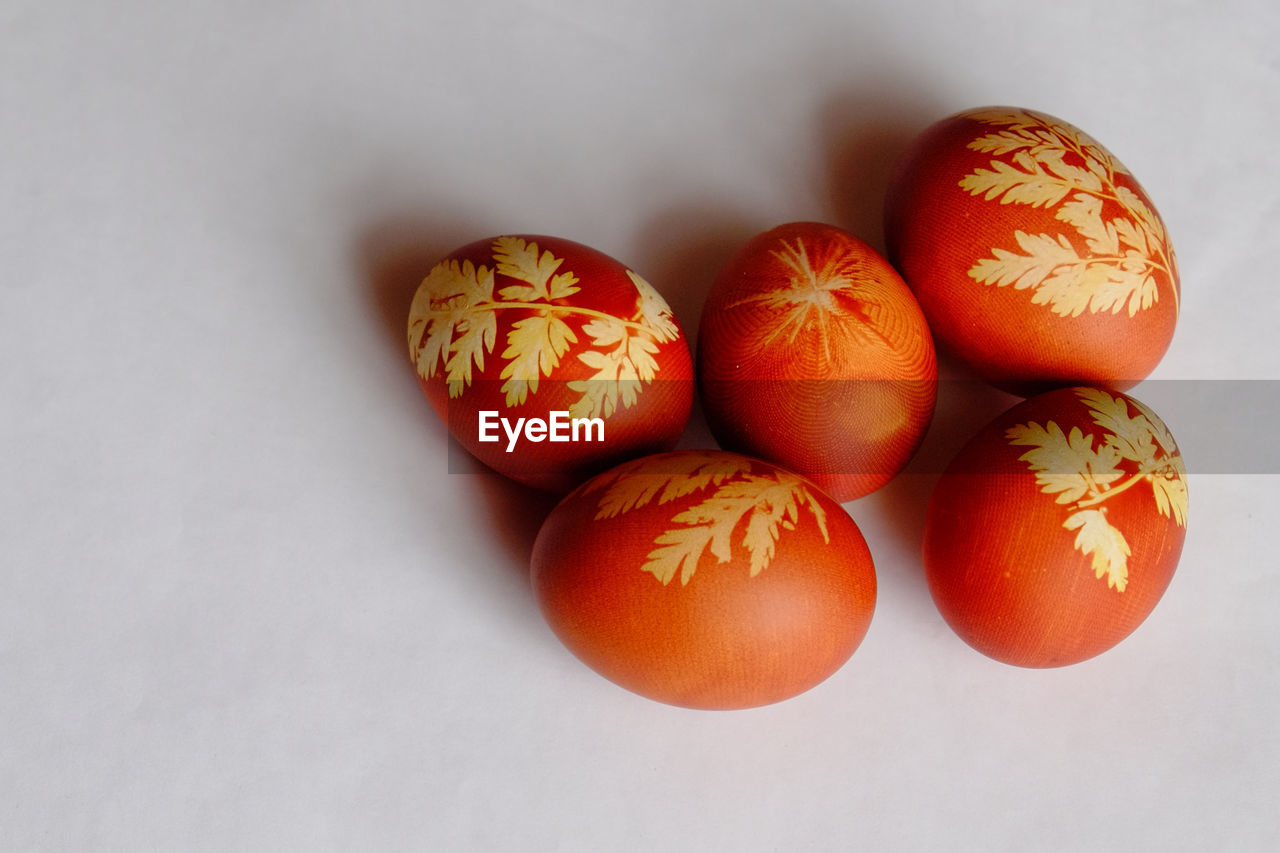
(813,354)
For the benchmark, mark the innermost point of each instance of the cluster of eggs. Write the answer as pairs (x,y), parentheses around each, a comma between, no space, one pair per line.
(734,577)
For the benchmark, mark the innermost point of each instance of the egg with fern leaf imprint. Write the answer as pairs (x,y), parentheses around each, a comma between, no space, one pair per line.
(1037,257)
(705,579)
(548,360)
(1055,531)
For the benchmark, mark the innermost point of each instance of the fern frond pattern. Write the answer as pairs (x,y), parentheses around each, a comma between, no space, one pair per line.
(1121,256)
(453,328)
(736,506)
(1083,470)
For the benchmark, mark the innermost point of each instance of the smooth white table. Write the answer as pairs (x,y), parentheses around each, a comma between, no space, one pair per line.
(245,606)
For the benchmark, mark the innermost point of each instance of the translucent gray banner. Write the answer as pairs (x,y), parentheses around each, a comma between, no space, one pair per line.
(1221,426)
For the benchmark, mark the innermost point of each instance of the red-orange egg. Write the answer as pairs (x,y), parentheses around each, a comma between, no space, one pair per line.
(1035,254)
(549,360)
(1057,528)
(705,579)
(813,354)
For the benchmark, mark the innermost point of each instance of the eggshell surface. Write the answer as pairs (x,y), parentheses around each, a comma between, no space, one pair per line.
(517,328)
(1036,256)
(705,579)
(1056,530)
(812,353)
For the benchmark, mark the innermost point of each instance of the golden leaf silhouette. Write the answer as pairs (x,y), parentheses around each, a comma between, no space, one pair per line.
(534,347)
(451,302)
(709,524)
(1105,545)
(777,508)
(808,301)
(1083,471)
(1026,181)
(1133,437)
(623,357)
(453,323)
(1006,142)
(619,370)
(1038,134)
(520,260)
(1066,465)
(1170,489)
(767,503)
(635,484)
(654,310)
(1125,252)
(1084,213)
(1168,481)
(679,551)
(475,335)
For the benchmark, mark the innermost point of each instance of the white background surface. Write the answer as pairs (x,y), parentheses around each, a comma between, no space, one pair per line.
(244,605)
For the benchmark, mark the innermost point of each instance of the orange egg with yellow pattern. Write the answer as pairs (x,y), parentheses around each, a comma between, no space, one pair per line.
(813,354)
(705,579)
(1057,528)
(548,360)
(1036,255)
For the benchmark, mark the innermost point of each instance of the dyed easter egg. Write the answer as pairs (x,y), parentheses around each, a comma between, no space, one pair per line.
(1035,254)
(1057,528)
(813,354)
(549,360)
(705,579)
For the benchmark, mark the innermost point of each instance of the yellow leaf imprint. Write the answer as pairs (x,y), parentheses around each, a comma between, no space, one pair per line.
(813,295)
(453,324)
(1125,253)
(1083,470)
(1105,545)
(766,503)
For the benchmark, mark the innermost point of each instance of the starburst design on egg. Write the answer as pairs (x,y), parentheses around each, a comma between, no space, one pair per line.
(827,296)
